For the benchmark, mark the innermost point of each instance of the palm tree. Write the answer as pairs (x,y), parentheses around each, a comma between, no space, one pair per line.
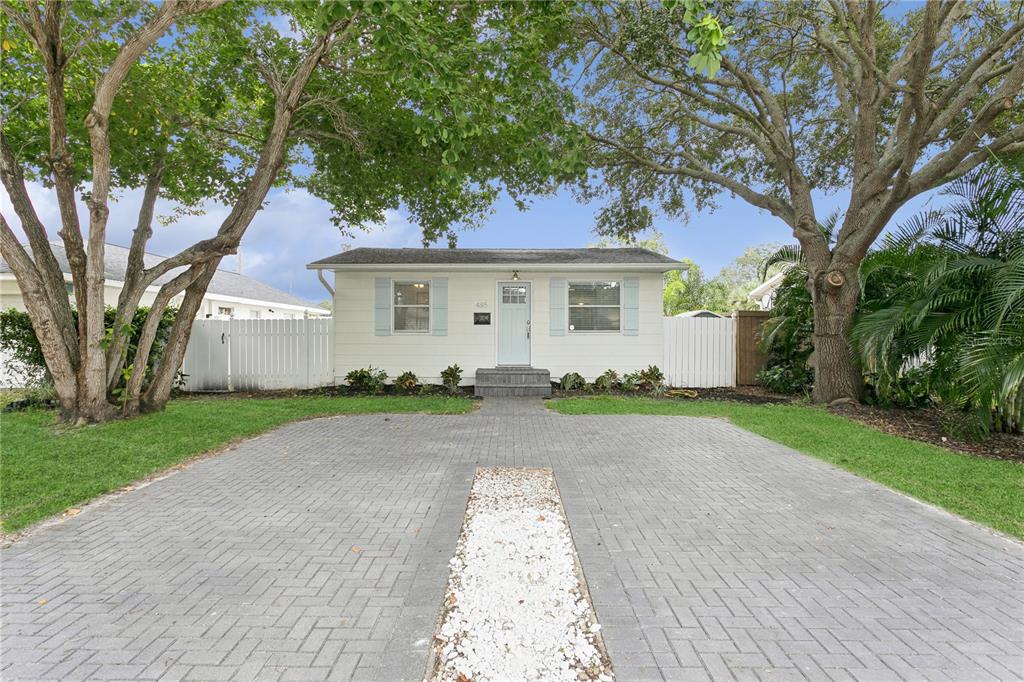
(947,289)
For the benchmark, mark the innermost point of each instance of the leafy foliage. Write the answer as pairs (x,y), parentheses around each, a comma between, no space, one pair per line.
(608,381)
(651,379)
(366,380)
(451,376)
(941,310)
(946,292)
(912,388)
(19,342)
(786,337)
(407,381)
(811,98)
(18,339)
(630,382)
(790,378)
(436,107)
(573,381)
(407,90)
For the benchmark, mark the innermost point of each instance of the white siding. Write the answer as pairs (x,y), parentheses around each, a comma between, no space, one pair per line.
(700,352)
(473,346)
(10,297)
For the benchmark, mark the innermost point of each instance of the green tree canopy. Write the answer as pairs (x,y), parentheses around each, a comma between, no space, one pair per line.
(368,105)
(811,97)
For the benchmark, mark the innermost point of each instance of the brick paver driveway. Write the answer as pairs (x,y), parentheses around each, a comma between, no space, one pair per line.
(320,551)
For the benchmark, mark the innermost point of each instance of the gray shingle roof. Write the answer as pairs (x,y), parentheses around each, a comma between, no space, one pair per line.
(224,282)
(511,257)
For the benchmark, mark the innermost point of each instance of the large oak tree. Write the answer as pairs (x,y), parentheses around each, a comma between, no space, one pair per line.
(366,104)
(883,101)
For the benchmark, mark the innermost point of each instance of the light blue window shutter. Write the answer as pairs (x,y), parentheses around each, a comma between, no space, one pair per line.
(439,306)
(558,306)
(382,306)
(631,306)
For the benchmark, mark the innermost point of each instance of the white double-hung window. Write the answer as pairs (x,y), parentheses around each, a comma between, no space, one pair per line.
(410,307)
(595,306)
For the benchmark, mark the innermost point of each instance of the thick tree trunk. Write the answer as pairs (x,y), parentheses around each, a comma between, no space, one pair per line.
(48,331)
(837,375)
(159,390)
(147,337)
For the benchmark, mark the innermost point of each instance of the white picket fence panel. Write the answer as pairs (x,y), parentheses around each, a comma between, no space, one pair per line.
(248,355)
(700,352)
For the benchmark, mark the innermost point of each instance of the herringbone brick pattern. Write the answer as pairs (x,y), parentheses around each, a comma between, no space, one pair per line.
(320,551)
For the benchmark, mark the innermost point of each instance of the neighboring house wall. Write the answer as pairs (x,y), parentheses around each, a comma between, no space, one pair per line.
(765,293)
(242,308)
(473,346)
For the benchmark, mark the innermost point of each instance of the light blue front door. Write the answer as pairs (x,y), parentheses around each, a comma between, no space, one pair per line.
(513,323)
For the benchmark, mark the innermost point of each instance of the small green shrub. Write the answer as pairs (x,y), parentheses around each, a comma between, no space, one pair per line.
(630,381)
(451,376)
(366,380)
(786,337)
(786,378)
(651,379)
(407,381)
(573,381)
(910,389)
(608,381)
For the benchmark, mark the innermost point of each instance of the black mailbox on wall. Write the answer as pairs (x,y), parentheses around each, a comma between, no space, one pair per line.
(481,318)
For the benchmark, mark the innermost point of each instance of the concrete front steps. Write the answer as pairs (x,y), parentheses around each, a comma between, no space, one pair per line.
(500,382)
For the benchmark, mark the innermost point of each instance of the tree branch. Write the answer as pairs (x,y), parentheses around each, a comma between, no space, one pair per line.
(47,329)
(764,201)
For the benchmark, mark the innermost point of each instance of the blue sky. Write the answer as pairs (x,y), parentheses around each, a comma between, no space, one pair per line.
(294,229)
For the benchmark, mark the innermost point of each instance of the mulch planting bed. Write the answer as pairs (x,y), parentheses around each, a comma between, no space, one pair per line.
(326,391)
(928,425)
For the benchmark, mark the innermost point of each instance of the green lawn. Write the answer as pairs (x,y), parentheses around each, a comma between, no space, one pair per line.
(983,490)
(45,469)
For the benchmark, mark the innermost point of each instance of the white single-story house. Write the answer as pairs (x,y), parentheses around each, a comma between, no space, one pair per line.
(507,317)
(764,293)
(230,294)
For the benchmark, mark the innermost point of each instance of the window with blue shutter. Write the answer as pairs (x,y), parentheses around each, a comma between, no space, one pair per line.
(439,306)
(631,306)
(382,306)
(557,316)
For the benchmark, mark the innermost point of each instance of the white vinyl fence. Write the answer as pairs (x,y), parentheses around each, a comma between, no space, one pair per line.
(245,355)
(700,352)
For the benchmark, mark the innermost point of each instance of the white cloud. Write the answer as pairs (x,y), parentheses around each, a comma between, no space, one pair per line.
(293,229)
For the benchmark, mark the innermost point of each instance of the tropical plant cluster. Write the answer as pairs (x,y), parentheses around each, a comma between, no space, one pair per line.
(940,319)
(373,380)
(649,380)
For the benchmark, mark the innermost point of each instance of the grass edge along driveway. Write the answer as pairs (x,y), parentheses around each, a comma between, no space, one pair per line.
(47,468)
(988,491)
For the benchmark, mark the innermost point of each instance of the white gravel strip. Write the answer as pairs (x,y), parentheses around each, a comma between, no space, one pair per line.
(517,607)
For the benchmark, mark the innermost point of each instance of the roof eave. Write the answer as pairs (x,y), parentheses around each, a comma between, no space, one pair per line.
(488,267)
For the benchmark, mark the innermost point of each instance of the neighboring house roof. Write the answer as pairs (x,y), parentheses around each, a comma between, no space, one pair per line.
(224,282)
(699,313)
(768,286)
(495,258)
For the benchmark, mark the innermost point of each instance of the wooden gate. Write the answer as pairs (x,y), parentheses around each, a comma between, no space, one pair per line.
(749,360)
